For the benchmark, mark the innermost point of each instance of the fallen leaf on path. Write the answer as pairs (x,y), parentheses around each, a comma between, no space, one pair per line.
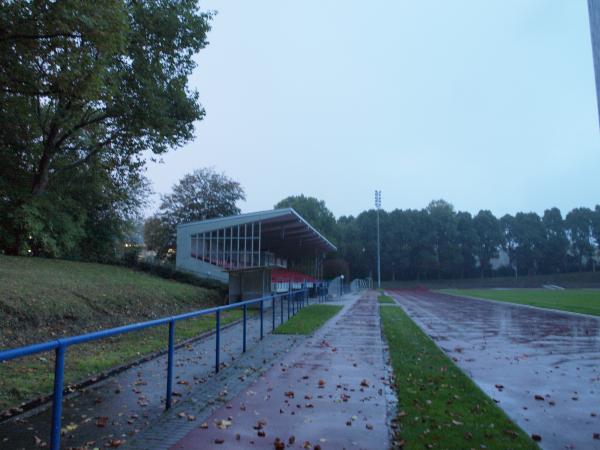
(101,421)
(223,424)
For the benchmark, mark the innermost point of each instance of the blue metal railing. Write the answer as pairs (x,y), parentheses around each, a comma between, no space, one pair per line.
(295,299)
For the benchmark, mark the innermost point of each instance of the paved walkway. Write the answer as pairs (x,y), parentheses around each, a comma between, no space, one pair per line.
(541,366)
(329,393)
(118,408)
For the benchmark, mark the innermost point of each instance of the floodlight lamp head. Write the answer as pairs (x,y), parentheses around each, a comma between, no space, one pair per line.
(378,199)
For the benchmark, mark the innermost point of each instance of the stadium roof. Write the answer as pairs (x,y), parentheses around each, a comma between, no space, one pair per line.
(282,230)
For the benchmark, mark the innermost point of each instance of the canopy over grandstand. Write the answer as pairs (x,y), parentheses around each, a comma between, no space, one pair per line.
(256,253)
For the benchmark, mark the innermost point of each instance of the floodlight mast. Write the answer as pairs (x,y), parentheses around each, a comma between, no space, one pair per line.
(378,206)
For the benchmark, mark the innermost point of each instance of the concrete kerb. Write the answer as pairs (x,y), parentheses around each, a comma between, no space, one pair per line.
(72,390)
(223,387)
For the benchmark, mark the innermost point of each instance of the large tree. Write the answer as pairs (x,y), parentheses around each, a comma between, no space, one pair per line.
(490,236)
(557,244)
(468,242)
(579,228)
(445,238)
(89,86)
(315,211)
(202,194)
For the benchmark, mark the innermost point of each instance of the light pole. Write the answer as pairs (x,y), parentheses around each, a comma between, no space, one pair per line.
(378,205)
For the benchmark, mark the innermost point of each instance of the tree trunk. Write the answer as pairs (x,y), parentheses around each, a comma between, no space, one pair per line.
(40,179)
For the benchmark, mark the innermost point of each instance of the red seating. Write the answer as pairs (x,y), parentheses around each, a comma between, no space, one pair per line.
(284,276)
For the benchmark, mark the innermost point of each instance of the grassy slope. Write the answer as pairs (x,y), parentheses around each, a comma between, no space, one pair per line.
(308,319)
(439,406)
(385,299)
(586,301)
(44,299)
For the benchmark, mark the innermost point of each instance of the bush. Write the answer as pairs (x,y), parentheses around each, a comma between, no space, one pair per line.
(168,271)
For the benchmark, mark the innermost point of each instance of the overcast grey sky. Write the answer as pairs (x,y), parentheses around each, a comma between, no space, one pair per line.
(487,104)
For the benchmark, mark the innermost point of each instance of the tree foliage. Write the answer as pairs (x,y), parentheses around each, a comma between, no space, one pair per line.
(438,241)
(314,211)
(85,88)
(200,195)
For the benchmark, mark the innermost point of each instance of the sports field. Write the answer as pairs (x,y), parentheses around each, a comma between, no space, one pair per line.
(585,301)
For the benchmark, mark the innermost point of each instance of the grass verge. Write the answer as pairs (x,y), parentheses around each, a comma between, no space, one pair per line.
(44,299)
(585,301)
(308,319)
(385,299)
(439,406)
(25,379)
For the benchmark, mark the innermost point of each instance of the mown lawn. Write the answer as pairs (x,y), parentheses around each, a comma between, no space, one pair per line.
(585,301)
(385,299)
(439,406)
(308,319)
(43,299)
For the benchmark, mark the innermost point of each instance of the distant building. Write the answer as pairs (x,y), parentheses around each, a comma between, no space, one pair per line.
(594,10)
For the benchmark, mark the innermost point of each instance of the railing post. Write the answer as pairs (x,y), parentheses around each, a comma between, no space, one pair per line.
(288,305)
(59,372)
(281,308)
(273,308)
(261,318)
(244,338)
(217,340)
(170,357)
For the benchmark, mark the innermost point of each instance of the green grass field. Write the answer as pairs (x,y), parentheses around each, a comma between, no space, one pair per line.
(574,280)
(439,406)
(42,299)
(585,301)
(308,319)
(385,299)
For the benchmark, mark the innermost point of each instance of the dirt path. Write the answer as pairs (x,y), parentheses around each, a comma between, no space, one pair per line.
(541,366)
(329,393)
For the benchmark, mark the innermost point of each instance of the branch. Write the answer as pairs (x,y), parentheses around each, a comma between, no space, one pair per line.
(94,151)
(79,126)
(40,36)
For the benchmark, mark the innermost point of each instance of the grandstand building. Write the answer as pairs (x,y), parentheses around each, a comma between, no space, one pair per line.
(256,254)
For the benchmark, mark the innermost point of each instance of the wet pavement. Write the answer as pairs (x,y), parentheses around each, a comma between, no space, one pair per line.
(110,412)
(541,366)
(330,393)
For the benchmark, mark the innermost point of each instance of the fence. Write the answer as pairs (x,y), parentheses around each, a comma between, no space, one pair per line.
(359,284)
(294,300)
